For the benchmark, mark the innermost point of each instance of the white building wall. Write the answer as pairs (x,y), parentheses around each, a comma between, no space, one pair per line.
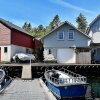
(18,49)
(51,56)
(11,51)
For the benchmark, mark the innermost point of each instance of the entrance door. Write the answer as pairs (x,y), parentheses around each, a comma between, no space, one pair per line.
(0,55)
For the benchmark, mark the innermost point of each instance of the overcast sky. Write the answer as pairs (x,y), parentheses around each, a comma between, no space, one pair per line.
(42,11)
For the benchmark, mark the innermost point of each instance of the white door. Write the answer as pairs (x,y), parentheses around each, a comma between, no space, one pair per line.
(66,56)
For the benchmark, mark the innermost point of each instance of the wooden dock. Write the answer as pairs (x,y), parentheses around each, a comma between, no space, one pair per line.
(26,90)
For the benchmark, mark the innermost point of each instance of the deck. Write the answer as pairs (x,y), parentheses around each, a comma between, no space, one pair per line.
(26,90)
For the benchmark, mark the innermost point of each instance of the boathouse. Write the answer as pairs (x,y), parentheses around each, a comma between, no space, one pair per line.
(94,32)
(67,44)
(13,39)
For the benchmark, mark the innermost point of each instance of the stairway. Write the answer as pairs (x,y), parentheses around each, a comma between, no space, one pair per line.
(26,72)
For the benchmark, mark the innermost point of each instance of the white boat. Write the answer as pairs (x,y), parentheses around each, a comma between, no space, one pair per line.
(23,57)
(66,84)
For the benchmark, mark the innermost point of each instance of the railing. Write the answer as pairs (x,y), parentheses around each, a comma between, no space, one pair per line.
(74,78)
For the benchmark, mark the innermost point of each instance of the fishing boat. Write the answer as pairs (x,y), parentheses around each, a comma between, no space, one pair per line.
(2,75)
(66,84)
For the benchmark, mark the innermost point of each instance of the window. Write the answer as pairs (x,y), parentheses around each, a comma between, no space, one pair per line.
(49,52)
(5,49)
(97,28)
(71,35)
(60,35)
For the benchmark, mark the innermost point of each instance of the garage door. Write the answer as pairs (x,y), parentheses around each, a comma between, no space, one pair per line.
(0,54)
(66,56)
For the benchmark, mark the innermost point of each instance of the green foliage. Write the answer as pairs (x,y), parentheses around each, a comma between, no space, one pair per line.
(55,23)
(40,31)
(82,23)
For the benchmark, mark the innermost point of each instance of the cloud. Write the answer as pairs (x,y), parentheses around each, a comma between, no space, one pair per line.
(68,5)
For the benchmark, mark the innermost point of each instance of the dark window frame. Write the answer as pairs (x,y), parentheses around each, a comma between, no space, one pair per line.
(5,49)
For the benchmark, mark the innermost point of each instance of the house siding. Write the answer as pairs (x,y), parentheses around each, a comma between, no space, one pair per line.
(79,39)
(19,49)
(5,35)
(21,39)
(67,46)
(95,31)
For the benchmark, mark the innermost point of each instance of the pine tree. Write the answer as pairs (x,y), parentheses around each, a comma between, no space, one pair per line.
(55,22)
(25,26)
(82,23)
(40,27)
(29,27)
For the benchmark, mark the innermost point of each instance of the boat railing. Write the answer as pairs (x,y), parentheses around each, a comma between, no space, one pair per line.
(71,80)
(70,73)
(74,78)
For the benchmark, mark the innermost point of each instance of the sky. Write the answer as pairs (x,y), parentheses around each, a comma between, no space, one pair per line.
(42,12)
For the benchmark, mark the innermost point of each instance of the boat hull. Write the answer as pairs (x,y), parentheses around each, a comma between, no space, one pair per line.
(70,91)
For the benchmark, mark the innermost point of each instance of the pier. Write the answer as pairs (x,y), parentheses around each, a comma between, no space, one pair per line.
(26,90)
(24,74)
(25,71)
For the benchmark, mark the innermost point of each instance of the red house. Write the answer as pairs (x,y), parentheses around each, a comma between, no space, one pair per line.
(13,39)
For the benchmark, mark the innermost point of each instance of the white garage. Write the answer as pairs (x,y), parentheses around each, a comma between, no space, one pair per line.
(66,56)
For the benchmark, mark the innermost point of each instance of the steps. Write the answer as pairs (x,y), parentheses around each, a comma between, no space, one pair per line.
(26,72)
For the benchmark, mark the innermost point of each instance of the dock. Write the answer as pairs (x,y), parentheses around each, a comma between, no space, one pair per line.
(26,90)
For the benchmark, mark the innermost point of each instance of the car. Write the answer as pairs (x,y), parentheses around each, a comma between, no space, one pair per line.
(23,57)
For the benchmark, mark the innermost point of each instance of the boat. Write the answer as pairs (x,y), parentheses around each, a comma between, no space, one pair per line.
(66,84)
(2,75)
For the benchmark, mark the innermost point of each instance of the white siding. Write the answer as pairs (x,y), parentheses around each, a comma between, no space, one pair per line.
(96,37)
(18,49)
(11,51)
(51,56)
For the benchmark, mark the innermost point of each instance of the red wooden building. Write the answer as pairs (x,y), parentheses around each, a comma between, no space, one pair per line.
(13,39)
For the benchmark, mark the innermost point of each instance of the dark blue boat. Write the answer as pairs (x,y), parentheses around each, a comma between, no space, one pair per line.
(66,84)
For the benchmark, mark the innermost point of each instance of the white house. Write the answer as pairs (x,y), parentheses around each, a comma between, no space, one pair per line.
(94,32)
(67,44)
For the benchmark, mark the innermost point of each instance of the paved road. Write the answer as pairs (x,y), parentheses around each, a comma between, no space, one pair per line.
(24,90)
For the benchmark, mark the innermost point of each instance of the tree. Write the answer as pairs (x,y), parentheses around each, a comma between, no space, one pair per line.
(40,27)
(82,23)
(55,22)
(27,27)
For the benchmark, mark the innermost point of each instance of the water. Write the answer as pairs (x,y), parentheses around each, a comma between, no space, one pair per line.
(94,82)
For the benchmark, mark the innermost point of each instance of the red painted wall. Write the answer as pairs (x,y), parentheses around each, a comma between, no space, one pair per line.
(21,39)
(5,35)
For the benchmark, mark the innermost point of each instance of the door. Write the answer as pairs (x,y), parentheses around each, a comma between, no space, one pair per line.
(66,56)
(0,55)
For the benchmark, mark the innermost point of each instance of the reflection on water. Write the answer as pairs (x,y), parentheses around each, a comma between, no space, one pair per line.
(95,84)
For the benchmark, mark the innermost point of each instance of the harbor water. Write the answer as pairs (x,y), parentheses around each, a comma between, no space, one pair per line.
(94,82)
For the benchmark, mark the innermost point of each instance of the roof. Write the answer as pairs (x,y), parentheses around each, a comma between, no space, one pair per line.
(88,29)
(94,20)
(66,22)
(13,26)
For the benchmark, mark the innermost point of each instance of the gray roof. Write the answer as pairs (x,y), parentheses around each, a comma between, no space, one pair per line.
(94,20)
(12,26)
(88,29)
(66,22)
